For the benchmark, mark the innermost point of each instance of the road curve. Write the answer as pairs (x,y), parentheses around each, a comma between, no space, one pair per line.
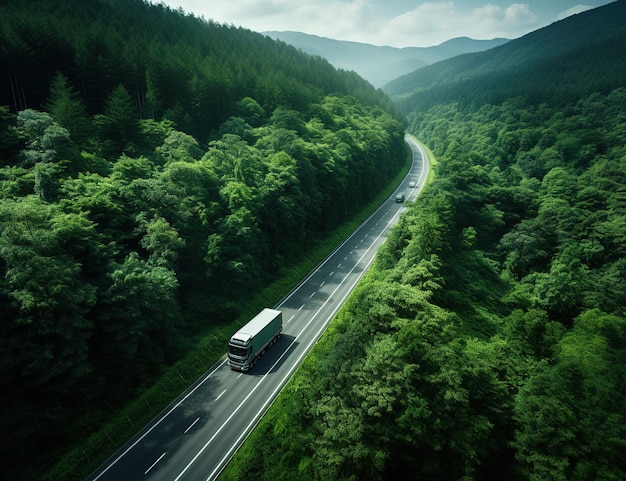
(196,436)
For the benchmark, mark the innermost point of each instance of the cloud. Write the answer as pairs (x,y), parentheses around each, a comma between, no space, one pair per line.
(373,21)
(434,22)
(330,18)
(573,11)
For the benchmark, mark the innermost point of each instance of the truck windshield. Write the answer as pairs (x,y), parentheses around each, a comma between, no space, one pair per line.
(237,351)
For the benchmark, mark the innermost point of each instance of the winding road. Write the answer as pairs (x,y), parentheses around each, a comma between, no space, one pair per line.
(195,437)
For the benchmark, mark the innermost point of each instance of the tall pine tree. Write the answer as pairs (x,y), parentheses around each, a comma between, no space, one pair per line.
(68,109)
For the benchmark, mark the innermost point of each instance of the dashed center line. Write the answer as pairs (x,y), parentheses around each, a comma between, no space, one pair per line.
(192,425)
(220,395)
(155,463)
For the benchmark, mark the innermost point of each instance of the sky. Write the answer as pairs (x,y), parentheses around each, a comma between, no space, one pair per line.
(397,23)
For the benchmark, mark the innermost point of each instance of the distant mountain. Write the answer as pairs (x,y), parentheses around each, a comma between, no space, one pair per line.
(380,65)
(559,63)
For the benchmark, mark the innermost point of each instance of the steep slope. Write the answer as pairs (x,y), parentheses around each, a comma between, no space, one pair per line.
(381,64)
(558,63)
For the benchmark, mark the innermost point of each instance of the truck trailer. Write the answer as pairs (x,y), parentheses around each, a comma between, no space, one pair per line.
(249,343)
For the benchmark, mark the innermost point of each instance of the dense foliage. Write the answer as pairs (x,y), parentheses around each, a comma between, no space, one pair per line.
(488,341)
(154,167)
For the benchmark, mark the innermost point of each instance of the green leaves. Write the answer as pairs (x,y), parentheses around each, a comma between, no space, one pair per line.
(67,108)
(162,242)
(138,207)
(487,341)
(567,411)
(46,302)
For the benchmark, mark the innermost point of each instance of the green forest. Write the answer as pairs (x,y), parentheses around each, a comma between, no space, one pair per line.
(488,341)
(154,167)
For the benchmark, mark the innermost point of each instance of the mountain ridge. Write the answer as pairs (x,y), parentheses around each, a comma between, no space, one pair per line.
(380,64)
(539,63)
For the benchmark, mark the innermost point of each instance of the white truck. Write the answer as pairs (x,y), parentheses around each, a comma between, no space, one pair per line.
(250,342)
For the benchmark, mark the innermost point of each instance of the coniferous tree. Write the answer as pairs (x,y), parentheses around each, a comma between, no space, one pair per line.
(67,108)
(118,126)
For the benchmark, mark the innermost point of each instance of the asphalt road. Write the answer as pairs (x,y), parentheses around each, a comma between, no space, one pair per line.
(197,435)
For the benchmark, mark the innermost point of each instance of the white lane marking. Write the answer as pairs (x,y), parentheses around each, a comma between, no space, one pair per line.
(323,282)
(311,295)
(220,395)
(300,308)
(291,318)
(155,463)
(191,425)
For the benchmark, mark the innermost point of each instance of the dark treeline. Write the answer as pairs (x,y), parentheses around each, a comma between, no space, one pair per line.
(176,66)
(154,169)
(488,341)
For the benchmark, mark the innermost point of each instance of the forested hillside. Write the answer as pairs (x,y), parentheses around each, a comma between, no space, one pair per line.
(488,341)
(556,65)
(155,170)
